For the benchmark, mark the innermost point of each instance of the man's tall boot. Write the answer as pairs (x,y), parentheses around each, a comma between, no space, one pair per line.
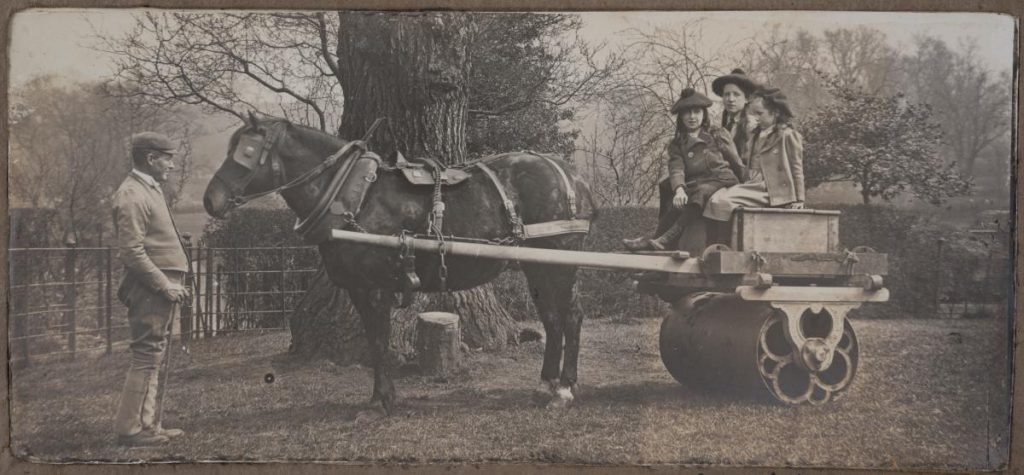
(138,400)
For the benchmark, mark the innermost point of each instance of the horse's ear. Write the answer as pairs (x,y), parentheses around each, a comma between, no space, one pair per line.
(252,121)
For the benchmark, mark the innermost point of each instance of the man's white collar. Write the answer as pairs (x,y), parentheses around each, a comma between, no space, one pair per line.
(147,178)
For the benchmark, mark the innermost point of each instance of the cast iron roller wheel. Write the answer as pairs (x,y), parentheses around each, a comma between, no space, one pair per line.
(790,382)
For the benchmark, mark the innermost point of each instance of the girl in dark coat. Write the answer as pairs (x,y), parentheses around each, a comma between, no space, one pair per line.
(701,160)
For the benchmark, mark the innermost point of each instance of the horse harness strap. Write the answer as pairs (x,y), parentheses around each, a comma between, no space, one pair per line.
(510,207)
(521,231)
(570,190)
(343,198)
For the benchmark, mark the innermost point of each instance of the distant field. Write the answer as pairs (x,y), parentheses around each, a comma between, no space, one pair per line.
(929,394)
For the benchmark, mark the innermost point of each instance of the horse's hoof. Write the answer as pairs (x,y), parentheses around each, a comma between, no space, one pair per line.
(544,392)
(563,398)
(363,417)
(388,404)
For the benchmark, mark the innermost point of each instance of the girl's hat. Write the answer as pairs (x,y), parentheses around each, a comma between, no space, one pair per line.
(737,77)
(691,98)
(775,96)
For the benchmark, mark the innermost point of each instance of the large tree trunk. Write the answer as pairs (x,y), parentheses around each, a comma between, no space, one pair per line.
(412,69)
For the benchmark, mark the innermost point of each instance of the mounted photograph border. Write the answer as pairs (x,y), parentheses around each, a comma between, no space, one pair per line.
(11,464)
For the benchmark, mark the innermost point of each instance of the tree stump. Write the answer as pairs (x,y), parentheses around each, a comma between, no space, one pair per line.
(438,343)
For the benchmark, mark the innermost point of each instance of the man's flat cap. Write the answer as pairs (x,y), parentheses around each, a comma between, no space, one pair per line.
(153,141)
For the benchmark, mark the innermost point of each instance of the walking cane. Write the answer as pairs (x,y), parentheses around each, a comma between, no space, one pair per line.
(165,365)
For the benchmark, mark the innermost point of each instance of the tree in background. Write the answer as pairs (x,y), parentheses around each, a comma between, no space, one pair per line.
(884,145)
(861,58)
(971,103)
(790,60)
(529,75)
(69,149)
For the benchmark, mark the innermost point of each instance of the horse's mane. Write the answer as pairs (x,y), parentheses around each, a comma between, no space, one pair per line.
(314,138)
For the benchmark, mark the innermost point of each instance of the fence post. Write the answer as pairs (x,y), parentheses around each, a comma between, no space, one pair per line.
(283,295)
(109,252)
(938,274)
(18,302)
(210,293)
(71,292)
(186,307)
(197,312)
(215,322)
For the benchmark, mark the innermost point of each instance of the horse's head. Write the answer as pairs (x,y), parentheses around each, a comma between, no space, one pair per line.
(252,167)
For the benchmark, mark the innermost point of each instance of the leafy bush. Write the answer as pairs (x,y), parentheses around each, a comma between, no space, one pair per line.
(35,227)
(921,276)
(248,246)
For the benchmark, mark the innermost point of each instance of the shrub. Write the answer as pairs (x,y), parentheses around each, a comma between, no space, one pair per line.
(250,239)
(919,277)
(35,227)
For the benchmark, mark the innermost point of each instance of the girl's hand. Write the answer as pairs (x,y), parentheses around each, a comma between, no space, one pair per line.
(796,205)
(680,199)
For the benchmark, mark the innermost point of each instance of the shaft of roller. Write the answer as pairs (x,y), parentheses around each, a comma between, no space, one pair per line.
(596,260)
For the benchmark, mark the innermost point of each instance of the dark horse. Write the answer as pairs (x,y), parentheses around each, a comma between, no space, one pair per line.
(281,151)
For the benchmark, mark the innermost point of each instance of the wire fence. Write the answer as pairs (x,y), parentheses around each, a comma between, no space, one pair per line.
(63,301)
(983,285)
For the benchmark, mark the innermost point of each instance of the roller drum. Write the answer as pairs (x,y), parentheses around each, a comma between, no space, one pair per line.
(724,343)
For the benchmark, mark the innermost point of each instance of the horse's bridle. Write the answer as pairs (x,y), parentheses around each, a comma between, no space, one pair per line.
(253,159)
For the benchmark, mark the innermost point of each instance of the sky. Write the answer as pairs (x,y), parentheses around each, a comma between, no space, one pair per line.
(56,41)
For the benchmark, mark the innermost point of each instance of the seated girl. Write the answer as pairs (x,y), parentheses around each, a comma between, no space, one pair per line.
(700,162)
(775,172)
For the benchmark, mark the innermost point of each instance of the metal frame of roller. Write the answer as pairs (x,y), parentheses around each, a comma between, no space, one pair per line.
(767,314)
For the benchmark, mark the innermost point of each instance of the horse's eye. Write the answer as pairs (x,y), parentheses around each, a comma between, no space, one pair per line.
(249,151)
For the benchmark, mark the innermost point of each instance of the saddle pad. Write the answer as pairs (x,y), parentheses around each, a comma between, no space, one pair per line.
(420,175)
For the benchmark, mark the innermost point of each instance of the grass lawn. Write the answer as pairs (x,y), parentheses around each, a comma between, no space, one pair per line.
(928,394)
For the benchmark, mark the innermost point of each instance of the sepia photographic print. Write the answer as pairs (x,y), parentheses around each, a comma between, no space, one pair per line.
(686,239)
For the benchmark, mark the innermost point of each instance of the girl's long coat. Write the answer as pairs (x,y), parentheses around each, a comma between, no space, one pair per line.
(781,157)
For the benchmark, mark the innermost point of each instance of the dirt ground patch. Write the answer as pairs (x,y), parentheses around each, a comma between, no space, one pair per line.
(929,394)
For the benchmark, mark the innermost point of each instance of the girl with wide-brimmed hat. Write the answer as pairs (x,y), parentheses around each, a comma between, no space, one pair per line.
(734,89)
(701,158)
(775,172)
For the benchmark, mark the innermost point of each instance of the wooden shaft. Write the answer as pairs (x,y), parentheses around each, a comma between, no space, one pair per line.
(596,260)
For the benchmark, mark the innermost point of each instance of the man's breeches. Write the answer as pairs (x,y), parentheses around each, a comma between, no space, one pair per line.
(150,316)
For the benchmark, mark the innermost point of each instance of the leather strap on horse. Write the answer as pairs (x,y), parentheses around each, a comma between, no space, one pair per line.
(522,231)
(510,207)
(304,226)
(570,190)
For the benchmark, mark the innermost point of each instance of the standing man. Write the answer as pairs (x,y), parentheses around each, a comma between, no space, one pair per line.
(151,286)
